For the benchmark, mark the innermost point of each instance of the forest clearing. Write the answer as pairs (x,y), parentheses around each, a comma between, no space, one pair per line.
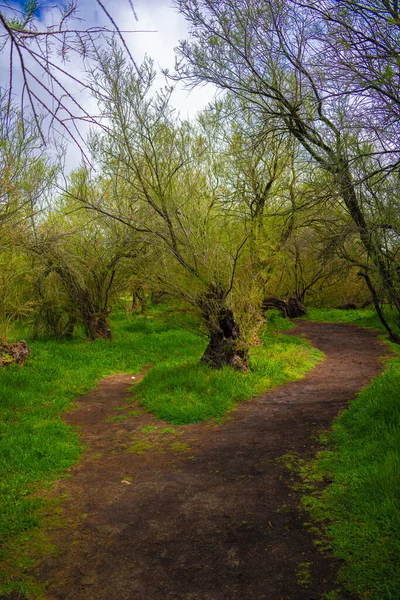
(200,300)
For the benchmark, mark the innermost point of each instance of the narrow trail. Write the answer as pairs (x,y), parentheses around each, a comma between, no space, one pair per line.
(207,512)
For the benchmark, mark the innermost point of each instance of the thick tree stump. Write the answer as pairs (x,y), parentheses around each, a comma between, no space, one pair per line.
(97,327)
(224,347)
(16,352)
(349,306)
(296,308)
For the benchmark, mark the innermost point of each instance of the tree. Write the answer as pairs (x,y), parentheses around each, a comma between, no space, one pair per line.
(82,265)
(360,42)
(26,173)
(268,53)
(156,170)
(39,59)
(26,176)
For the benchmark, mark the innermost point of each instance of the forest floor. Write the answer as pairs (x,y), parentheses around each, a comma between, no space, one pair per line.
(204,511)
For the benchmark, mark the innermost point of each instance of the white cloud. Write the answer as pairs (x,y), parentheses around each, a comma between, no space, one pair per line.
(162,28)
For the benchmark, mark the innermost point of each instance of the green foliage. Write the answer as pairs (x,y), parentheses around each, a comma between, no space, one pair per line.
(277,323)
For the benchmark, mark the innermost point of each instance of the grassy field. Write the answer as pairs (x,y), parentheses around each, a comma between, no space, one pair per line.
(36,446)
(361,317)
(359,513)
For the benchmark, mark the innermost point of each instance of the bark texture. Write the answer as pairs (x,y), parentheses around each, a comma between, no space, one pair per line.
(97,326)
(17,353)
(290,309)
(225,348)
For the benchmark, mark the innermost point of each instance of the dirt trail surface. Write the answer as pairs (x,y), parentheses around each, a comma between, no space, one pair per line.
(207,512)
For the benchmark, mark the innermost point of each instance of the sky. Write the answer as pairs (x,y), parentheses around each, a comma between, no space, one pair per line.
(162,28)
(170,27)
(158,29)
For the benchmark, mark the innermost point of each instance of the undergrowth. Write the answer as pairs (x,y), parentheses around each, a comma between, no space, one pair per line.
(36,445)
(359,512)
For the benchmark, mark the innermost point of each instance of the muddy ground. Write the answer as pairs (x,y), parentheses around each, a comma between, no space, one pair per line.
(206,512)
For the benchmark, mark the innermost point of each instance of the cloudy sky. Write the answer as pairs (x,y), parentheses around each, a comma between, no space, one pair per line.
(170,27)
(162,28)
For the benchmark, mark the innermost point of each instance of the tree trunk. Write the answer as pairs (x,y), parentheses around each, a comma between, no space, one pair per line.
(224,347)
(392,335)
(17,352)
(296,307)
(97,326)
(388,280)
(139,300)
(291,309)
(157,297)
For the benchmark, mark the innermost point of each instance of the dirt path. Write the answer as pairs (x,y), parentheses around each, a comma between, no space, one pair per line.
(206,513)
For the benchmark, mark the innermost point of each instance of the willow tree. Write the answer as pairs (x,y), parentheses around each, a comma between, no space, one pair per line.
(26,176)
(269,53)
(81,265)
(156,168)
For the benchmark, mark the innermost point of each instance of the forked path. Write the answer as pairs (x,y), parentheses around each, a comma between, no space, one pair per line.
(206,513)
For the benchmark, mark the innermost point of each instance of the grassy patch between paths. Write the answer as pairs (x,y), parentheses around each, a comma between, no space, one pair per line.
(361,317)
(359,513)
(184,391)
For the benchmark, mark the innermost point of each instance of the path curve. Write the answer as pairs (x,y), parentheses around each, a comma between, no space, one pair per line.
(217,521)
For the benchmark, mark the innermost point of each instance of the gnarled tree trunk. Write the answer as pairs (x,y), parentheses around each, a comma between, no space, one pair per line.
(290,309)
(224,347)
(16,352)
(97,326)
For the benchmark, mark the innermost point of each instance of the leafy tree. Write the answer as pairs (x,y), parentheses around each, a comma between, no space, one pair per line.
(82,265)
(26,176)
(161,190)
(268,53)
(26,173)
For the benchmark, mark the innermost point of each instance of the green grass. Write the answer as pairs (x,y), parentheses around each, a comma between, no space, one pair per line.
(36,445)
(185,391)
(361,317)
(360,511)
